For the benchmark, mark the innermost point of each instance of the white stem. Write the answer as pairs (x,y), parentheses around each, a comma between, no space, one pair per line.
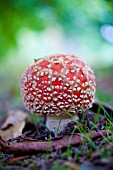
(58,123)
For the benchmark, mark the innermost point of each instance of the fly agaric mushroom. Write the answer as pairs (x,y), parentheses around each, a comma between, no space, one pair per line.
(56,84)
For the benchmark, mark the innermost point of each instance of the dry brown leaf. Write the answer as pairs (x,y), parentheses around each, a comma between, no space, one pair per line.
(12,131)
(13,160)
(26,146)
(13,117)
(13,124)
(71,165)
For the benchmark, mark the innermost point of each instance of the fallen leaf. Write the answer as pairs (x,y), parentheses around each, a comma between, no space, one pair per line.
(26,146)
(71,165)
(12,131)
(13,160)
(13,117)
(12,124)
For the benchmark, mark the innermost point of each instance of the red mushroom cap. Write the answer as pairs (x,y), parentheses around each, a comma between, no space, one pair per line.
(57,83)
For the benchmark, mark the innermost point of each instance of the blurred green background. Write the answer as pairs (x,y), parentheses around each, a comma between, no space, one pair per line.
(31,29)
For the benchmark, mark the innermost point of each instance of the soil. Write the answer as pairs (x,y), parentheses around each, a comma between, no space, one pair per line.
(91,154)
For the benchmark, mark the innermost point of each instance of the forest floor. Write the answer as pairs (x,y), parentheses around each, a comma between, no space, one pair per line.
(94,151)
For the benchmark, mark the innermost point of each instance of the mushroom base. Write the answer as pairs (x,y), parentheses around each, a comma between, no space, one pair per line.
(57,124)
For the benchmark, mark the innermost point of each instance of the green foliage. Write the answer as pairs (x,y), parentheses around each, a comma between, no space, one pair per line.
(80,18)
(104,96)
(56,166)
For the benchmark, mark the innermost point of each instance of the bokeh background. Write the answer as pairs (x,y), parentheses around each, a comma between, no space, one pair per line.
(31,29)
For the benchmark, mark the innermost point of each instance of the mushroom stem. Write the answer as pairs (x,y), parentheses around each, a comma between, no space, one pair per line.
(58,123)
